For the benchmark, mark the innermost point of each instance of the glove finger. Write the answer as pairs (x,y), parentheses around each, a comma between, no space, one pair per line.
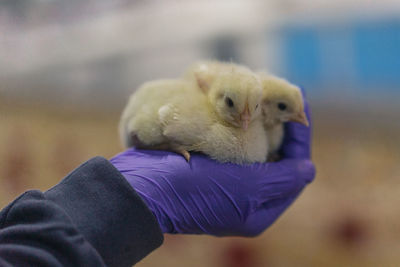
(267,214)
(283,178)
(297,140)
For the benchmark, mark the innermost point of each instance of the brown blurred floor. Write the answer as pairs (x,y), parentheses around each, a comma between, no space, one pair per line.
(349,216)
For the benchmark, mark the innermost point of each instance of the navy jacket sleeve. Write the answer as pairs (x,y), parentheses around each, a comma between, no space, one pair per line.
(93,217)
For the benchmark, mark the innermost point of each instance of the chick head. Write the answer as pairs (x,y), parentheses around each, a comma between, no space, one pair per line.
(282,102)
(235,95)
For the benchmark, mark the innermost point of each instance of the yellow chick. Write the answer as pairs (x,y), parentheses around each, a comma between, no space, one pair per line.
(175,115)
(217,79)
(208,69)
(282,102)
(140,125)
(236,131)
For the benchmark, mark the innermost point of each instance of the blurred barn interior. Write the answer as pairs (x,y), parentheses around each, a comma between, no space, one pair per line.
(67,67)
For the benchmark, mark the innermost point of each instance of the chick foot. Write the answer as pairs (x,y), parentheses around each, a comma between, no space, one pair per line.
(180,150)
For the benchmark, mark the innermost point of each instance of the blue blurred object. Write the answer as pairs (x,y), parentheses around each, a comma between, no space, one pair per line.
(354,56)
(377,53)
(302,57)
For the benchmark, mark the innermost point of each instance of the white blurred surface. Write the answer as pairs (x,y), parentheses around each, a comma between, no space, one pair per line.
(70,51)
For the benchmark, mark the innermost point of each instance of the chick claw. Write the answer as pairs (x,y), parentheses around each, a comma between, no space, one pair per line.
(184,153)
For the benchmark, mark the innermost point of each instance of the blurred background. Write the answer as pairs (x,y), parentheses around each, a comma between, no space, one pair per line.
(67,68)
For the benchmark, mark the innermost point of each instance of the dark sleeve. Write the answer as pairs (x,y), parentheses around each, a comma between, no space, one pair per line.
(93,217)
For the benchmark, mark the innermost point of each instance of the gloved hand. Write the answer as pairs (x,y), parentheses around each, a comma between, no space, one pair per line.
(205,196)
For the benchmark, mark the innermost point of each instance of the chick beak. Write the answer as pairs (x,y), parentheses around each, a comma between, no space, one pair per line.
(245,117)
(300,117)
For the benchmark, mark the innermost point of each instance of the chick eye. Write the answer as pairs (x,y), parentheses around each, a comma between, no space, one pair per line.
(229,102)
(256,106)
(282,106)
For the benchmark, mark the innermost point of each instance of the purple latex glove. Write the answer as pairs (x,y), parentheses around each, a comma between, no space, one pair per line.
(205,196)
